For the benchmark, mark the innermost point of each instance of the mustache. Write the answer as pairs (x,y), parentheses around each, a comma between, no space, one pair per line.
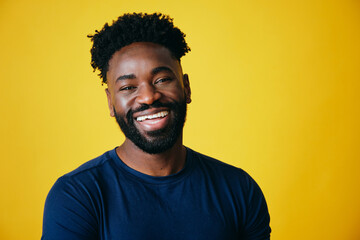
(156,104)
(143,107)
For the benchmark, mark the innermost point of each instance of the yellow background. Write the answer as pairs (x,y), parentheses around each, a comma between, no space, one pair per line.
(275,87)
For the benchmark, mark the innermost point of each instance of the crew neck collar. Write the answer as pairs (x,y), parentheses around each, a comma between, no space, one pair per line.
(152,179)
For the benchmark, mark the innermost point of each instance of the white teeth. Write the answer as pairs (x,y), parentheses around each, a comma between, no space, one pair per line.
(156,115)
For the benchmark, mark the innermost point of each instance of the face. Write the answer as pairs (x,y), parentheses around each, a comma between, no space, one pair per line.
(147,94)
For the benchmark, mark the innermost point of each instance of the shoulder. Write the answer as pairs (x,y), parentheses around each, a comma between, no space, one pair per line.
(76,186)
(72,204)
(242,189)
(92,165)
(84,179)
(216,167)
(226,178)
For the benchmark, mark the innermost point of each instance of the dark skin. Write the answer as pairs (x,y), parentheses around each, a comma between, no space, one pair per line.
(142,73)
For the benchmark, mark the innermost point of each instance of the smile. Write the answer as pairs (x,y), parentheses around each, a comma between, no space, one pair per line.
(152,116)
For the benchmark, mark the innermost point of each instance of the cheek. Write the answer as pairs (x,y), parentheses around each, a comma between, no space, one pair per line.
(176,92)
(122,104)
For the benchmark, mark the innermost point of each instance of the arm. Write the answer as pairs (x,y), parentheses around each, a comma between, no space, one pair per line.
(68,213)
(257,216)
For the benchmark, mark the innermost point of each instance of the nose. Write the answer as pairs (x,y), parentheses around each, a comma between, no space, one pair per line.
(147,94)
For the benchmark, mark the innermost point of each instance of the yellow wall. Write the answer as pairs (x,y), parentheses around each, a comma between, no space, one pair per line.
(276,91)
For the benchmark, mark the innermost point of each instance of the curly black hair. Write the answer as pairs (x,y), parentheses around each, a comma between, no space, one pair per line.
(135,27)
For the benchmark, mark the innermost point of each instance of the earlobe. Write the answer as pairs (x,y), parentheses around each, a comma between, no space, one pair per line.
(110,105)
(187,88)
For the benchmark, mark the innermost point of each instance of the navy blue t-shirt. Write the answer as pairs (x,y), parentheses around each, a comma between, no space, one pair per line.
(106,199)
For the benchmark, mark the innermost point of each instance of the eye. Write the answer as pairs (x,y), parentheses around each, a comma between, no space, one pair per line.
(127,88)
(161,80)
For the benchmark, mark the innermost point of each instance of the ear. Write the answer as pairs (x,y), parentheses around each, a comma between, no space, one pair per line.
(110,105)
(187,88)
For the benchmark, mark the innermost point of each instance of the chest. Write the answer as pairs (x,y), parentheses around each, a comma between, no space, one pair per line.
(183,210)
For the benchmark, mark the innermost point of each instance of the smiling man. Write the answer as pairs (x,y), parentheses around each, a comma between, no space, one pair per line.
(151,186)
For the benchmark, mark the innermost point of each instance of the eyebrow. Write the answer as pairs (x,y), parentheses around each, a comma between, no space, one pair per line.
(153,72)
(161,69)
(126,76)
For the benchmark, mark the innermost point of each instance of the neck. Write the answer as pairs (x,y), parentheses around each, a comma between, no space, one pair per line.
(162,164)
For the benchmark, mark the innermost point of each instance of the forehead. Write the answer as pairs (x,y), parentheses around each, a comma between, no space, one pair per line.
(140,58)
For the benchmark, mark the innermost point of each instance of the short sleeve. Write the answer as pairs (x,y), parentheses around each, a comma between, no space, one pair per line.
(257,225)
(68,213)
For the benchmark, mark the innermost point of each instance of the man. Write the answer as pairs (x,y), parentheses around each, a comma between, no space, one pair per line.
(151,186)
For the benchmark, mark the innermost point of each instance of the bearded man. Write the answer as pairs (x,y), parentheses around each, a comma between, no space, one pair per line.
(151,186)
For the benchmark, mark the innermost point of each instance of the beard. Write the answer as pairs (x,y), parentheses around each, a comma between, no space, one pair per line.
(160,140)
